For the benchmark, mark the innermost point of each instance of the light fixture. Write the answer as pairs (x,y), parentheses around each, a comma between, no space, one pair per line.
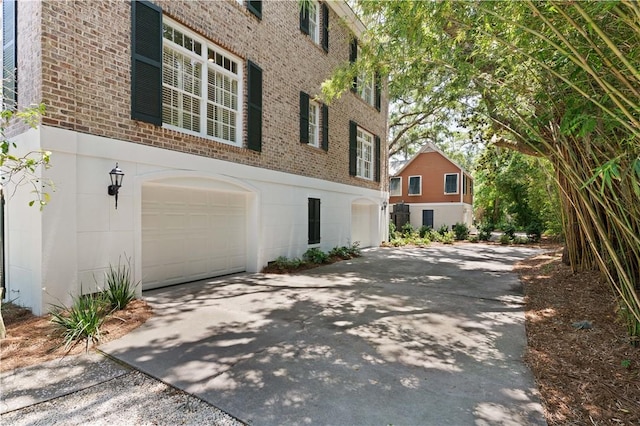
(116,176)
(384,205)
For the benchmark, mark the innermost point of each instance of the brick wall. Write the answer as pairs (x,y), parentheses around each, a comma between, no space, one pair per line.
(86,79)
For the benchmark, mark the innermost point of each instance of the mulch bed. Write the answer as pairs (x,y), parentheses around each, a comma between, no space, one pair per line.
(585,375)
(31,339)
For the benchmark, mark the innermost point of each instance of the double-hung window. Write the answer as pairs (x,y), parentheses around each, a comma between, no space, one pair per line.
(314,21)
(314,124)
(366,85)
(451,183)
(395,186)
(201,86)
(415,185)
(364,154)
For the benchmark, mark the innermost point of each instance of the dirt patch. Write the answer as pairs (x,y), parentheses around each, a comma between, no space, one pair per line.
(31,340)
(586,370)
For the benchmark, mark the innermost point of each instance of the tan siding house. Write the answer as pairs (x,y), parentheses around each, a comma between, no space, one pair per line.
(438,191)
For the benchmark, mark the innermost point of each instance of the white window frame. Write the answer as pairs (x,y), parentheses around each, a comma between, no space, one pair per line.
(397,193)
(366,85)
(207,66)
(419,186)
(364,146)
(314,123)
(314,21)
(457,175)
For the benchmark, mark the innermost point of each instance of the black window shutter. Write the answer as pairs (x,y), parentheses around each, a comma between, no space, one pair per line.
(146,62)
(304,19)
(314,220)
(353,148)
(353,57)
(376,159)
(325,127)
(9,54)
(254,107)
(378,90)
(255,7)
(304,117)
(325,27)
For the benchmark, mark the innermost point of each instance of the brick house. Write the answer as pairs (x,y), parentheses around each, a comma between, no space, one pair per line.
(438,191)
(210,111)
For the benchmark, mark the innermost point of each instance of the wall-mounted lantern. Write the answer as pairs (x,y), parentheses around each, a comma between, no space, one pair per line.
(384,205)
(116,176)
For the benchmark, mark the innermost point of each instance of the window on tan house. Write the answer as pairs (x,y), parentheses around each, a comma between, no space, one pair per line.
(395,186)
(415,185)
(451,183)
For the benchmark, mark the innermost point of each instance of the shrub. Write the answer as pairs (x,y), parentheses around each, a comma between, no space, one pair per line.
(407,230)
(504,239)
(120,289)
(354,250)
(392,231)
(448,237)
(473,239)
(461,231)
(315,255)
(424,231)
(341,252)
(283,263)
(534,231)
(509,229)
(346,252)
(81,321)
(521,240)
(484,231)
(443,229)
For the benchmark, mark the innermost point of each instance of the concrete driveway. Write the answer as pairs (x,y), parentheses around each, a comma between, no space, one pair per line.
(428,336)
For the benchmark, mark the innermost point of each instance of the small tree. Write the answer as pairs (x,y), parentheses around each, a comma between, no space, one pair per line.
(21,169)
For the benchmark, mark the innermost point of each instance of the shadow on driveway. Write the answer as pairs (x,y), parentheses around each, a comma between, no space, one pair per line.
(399,336)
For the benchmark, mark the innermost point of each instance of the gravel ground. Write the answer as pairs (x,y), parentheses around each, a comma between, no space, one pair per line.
(131,399)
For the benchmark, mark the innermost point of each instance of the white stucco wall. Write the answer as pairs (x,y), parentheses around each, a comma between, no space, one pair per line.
(70,244)
(443,214)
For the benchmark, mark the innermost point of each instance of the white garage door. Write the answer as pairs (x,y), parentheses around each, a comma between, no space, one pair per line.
(362,225)
(191,234)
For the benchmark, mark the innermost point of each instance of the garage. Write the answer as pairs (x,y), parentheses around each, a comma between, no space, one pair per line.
(364,224)
(190,234)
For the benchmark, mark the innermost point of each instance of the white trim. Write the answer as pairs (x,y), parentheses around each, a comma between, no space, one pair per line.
(409,186)
(344,11)
(399,194)
(457,183)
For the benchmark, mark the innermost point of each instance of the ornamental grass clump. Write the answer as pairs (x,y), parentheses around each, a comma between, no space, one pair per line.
(120,289)
(82,320)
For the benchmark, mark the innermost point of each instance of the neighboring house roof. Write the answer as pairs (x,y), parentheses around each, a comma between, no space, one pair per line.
(429,147)
(396,165)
